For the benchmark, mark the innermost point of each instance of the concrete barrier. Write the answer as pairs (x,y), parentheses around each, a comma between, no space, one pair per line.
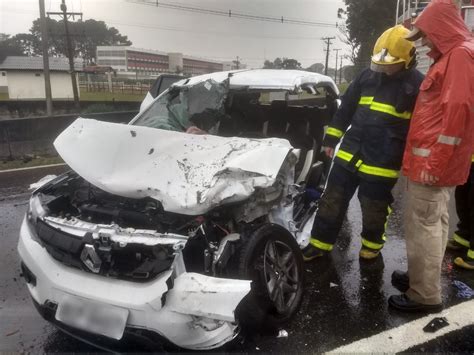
(35,135)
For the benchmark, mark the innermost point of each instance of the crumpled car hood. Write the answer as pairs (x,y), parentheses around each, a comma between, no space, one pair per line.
(189,174)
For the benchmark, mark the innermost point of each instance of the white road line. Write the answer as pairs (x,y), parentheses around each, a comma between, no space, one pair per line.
(32,168)
(411,334)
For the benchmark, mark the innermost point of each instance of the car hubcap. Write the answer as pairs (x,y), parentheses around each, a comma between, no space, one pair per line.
(281,275)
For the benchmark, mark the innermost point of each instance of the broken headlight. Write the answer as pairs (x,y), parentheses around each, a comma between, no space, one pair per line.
(36,210)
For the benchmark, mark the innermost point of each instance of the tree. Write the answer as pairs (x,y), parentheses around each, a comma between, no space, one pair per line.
(349,72)
(316,68)
(289,63)
(353,45)
(282,63)
(366,20)
(85,37)
(8,47)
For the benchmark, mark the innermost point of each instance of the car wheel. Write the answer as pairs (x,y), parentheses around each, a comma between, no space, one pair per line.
(272,259)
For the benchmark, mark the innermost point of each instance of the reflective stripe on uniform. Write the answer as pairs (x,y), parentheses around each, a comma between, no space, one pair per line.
(368,244)
(391,110)
(344,155)
(449,140)
(470,254)
(472,158)
(367,169)
(347,157)
(381,107)
(460,240)
(334,132)
(320,245)
(366,100)
(373,170)
(421,152)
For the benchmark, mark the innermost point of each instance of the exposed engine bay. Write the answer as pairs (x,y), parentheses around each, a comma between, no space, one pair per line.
(132,239)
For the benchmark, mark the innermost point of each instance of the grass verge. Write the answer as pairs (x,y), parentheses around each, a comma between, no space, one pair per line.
(27,162)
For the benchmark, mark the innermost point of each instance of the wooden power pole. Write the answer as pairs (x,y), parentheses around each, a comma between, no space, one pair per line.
(65,16)
(337,57)
(328,43)
(44,44)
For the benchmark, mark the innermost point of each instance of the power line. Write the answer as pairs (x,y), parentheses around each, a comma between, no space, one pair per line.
(232,14)
(224,34)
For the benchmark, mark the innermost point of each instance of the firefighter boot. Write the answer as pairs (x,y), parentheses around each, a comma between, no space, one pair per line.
(368,254)
(465,263)
(310,253)
(453,245)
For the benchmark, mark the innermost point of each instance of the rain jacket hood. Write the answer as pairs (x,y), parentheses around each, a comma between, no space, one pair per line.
(441,23)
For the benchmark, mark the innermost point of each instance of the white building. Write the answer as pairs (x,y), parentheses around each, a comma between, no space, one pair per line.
(142,62)
(23,79)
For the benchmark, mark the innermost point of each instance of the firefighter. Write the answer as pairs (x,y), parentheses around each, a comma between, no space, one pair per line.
(377,107)
(463,238)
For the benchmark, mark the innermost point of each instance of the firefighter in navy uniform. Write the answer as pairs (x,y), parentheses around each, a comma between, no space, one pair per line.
(373,122)
(463,238)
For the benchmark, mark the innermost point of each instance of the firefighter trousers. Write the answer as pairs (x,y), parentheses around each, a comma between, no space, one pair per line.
(464,196)
(375,198)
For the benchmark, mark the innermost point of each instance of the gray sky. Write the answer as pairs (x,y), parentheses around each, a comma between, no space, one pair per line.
(202,35)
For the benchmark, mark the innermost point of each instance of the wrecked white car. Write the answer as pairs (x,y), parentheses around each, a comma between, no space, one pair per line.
(190,237)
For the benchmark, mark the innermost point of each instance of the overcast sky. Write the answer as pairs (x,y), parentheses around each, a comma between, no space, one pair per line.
(203,35)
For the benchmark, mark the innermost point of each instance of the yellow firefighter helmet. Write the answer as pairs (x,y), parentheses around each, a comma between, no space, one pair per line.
(393,52)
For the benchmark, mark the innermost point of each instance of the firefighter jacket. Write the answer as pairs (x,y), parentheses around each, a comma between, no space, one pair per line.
(441,137)
(377,109)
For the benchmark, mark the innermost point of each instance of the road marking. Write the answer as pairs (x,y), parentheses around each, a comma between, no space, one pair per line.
(32,168)
(411,334)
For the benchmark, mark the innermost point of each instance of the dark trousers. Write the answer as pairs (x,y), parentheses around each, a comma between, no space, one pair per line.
(464,195)
(375,200)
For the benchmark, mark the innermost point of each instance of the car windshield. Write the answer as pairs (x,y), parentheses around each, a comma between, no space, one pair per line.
(200,105)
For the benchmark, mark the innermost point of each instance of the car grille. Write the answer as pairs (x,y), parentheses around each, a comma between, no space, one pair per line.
(134,262)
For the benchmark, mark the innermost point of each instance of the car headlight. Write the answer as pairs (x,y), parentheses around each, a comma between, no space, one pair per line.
(35,210)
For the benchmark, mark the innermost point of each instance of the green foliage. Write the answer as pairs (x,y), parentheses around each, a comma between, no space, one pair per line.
(282,63)
(316,68)
(366,20)
(349,72)
(98,108)
(8,47)
(85,35)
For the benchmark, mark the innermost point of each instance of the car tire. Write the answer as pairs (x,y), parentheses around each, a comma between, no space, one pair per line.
(272,259)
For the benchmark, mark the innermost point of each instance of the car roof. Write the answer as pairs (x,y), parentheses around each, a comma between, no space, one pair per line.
(267,79)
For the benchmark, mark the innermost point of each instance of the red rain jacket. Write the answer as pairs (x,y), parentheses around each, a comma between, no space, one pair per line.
(441,135)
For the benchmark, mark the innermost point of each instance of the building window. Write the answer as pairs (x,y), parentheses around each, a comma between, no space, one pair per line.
(37,74)
(4,74)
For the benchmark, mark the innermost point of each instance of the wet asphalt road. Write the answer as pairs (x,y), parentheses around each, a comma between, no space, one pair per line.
(346,299)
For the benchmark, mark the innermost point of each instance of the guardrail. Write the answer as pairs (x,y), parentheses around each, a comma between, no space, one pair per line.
(35,135)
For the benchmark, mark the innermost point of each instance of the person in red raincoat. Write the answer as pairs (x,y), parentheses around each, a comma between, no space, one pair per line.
(438,152)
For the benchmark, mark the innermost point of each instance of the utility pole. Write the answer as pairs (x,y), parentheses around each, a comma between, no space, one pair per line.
(65,15)
(328,43)
(340,71)
(237,62)
(337,54)
(44,44)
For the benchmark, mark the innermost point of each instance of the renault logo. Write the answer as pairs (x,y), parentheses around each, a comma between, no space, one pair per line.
(91,259)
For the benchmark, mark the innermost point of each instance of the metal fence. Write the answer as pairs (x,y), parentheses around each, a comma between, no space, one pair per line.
(109,83)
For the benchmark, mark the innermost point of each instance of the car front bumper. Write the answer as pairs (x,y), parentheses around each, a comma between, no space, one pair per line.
(196,313)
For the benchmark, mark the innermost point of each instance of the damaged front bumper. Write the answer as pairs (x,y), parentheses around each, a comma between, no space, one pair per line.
(190,310)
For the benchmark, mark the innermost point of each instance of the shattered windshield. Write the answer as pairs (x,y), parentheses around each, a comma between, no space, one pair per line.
(200,105)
